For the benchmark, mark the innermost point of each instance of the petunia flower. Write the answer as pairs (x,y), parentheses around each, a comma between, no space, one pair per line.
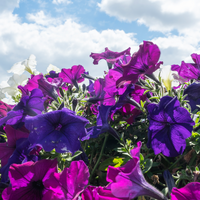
(23,152)
(193,95)
(128,181)
(28,105)
(109,56)
(73,75)
(13,83)
(70,182)
(189,70)
(7,148)
(28,65)
(169,126)
(52,68)
(28,180)
(48,89)
(190,192)
(99,193)
(60,129)
(102,123)
(144,61)
(4,109)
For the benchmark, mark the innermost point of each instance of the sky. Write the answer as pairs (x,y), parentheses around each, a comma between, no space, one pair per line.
(65,32)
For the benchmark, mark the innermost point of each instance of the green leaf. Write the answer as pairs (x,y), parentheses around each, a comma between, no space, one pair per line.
(147,165)
(115,162)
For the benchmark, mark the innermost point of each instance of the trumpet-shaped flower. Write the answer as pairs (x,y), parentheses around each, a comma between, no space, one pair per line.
(70,182)
(29,105)
(4,108)
(7,148)
(13,83)
(189,70)
(193,95)
(109,56)
(28,181)
(190,192)
(99,193)
(143,61)
(73,75)
(128,181)
(60,129)
(28,65)
(169,126)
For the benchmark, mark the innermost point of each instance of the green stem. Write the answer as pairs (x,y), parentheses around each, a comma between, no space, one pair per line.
(100,155)
(176,162)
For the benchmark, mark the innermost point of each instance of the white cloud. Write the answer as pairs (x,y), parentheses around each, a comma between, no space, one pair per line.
(61,1)
(159,15)
(54,41)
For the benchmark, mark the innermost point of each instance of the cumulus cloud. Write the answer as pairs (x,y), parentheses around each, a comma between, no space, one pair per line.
(63,43)
(158,15)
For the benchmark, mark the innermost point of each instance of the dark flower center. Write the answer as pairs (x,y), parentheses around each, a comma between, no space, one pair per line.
(58,127)
(168,124)
(38,185)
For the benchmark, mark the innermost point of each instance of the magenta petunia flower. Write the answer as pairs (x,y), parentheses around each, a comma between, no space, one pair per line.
(73,75)
(28,181)
(144,61)
(109,56)
(70,182)
(4,108)
(190,192)
(169,126)
(60,129)
(189,70)
(128,181)
(7,148)
(99,193)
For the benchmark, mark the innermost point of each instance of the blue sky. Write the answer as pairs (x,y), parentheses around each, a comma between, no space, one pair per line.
(65,32)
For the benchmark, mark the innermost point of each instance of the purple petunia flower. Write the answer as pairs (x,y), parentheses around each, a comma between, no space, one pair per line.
(193,95)
(99,193)
(28,181)
(4,108)
(190,192)
(28,105)
(70,182)
(60,129)
(21,154)
(189,70)
(7,148)
(109,56)
(128,181)
(144,61)
(73,75)
(169,126)
(102,123)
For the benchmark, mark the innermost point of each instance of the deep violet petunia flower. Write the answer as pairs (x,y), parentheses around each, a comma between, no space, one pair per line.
(189,70)
(144,61)
(70,182)
(102,123)
(128,181)
(28,181)
(169,126)
(73,75)
(190,192)
(109,56)
(60,129)
(28,105)
(193,95)
(99,193)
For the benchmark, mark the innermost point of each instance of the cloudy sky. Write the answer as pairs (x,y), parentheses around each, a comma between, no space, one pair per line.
(65,32)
